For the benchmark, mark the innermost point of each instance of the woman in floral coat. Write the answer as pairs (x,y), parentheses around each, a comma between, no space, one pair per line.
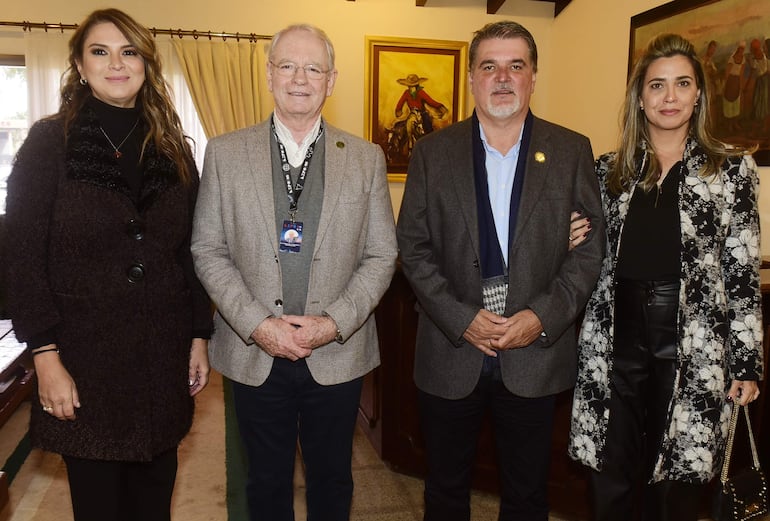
(673,331)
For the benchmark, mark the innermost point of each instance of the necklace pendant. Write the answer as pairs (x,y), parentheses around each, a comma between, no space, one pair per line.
(118,154)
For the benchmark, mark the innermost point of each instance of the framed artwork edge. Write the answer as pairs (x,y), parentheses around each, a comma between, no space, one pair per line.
(372,43)
(656,14)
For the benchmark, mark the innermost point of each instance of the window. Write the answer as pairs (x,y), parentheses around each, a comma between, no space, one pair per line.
(13,115)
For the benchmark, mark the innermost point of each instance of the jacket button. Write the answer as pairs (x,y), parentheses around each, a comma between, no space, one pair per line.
(278,302)
(135,272)
(476,263)
(135,229)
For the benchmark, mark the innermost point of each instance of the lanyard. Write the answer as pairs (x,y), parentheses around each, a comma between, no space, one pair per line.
(293,192)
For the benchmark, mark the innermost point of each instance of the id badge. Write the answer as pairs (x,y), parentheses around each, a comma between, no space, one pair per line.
(291,237)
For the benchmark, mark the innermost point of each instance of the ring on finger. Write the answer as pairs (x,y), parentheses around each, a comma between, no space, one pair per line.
(571,238)
(47,408)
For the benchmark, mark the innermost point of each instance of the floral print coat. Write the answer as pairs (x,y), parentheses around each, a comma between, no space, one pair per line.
(719,319)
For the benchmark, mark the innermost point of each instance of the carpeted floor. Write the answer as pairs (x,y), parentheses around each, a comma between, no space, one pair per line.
(39,491)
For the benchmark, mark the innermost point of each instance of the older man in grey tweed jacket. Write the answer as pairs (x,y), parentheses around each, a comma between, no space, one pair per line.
(294,239)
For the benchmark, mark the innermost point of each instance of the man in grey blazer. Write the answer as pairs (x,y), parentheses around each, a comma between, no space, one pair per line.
(294,239)
(484,238)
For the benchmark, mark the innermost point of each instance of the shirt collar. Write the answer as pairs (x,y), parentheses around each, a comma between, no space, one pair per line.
(295,152)
(490,149)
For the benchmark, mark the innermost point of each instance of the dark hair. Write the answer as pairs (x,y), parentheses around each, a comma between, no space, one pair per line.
(502,30)
(635,128)
(165,129)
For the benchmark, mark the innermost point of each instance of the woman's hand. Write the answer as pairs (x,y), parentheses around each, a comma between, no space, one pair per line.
(743,392)
(579,227)
(198,372)
(56,388)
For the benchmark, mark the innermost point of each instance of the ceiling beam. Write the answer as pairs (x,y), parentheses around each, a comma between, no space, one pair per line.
(560,5)
(494,5)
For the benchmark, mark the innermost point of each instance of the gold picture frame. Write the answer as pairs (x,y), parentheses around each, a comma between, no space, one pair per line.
(413,87)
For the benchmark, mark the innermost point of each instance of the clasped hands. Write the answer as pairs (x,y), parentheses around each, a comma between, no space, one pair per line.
(490,332)
(294,336)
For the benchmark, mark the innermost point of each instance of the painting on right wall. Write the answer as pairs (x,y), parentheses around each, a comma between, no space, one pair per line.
(733,41)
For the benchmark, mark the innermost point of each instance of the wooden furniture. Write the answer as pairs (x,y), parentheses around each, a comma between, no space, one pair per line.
(16,372)
(16,377)
(388,412)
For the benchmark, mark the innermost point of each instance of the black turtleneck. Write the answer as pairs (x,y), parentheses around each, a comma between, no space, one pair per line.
(117,123)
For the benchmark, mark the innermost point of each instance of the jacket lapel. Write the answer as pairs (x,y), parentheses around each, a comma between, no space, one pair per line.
(335,171)
(460,162)
(540,149)
(258,149)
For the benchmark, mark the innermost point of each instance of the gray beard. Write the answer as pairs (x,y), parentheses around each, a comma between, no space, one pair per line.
(504,111)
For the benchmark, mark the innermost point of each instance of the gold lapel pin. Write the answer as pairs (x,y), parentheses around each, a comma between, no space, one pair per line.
(539,157)
(340,144)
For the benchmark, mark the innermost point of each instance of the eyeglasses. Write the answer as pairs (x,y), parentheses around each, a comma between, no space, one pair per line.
(289,69)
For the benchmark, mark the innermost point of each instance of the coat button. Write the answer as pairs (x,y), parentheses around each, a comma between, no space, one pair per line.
(476,263)
(135,229)
(278,302)
(135,272)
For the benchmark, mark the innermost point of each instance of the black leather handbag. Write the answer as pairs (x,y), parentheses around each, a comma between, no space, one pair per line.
(744,495)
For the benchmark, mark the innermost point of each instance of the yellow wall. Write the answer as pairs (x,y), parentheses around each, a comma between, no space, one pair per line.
(583,52)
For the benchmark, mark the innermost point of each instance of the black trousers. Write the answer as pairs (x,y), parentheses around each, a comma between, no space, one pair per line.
(122,490)
(641,385)
(290,404)
(523,428)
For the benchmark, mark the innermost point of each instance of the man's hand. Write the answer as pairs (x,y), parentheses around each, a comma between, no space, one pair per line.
(276,338)
(311,331)
(522,329)
(485,328)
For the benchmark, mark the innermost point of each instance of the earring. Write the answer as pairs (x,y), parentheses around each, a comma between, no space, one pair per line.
(83,81)
(696,103)
(641,106)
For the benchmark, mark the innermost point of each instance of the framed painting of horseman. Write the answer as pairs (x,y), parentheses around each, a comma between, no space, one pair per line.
(413,87)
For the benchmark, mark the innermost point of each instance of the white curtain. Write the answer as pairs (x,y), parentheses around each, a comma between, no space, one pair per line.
(46,60)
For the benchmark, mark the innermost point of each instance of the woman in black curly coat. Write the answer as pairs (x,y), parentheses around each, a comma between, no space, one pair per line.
(100,277)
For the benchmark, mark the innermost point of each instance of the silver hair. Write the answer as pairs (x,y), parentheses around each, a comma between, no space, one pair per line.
(310,29)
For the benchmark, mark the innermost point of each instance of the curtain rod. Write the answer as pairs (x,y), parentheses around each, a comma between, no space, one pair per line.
(28,26)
